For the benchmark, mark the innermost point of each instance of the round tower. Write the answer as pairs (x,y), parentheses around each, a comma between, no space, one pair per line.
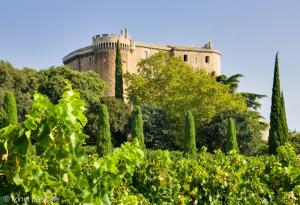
(105,54)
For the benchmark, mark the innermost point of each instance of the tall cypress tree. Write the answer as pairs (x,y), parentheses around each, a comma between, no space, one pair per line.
(189,136)
(277,133)
(10,108)
(104,145)
(137,130)
(231,141)
(118,74)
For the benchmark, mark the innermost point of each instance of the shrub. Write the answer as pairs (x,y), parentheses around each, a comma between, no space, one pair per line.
(104,145)
(137,131)
(189,136)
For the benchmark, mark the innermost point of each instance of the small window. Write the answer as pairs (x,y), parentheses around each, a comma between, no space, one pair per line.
(90,59)
(213,73)
(207,59)
(196,59)
(104,60)
(185,58)
(146,54)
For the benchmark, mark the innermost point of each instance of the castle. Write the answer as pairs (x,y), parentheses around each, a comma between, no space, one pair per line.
(100,56)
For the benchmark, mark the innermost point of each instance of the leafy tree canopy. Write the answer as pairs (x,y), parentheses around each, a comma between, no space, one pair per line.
(248,129)
(169,83)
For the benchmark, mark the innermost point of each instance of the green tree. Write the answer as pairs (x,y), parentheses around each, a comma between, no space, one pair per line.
(118,74)
(158,131)
(232,81)
(104,145)
(167,82)
(10,108)
(189,136)
(277,133)
(89,84)
(231,142)
(252,99)
(22,82)
(119,114)
(137,131)
(249,128)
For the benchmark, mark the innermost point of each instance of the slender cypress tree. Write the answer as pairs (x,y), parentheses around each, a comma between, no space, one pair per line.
(118,74)
(277,133)
(104,145)
(10,108)
(137,131)
(231,142)
(189,136)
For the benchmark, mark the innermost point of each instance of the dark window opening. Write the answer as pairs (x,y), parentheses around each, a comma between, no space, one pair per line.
(185,58)
(207,59)
(213,73)
(90,59)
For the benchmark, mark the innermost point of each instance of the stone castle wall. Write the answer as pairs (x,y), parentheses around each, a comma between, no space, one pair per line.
(100,56)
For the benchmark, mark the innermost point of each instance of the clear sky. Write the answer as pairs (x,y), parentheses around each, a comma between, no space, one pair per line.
(37,34)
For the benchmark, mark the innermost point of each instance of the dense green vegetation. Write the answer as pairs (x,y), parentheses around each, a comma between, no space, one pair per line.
(61,169)
(51,82)
(167,83)
(182,124)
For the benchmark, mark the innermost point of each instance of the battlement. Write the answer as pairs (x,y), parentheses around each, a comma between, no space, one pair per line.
(101,54)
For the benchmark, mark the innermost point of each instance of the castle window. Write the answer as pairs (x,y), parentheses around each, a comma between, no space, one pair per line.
(196,59)
(185,58)
(145,54)
(90,60)
(213,73)
(207,59)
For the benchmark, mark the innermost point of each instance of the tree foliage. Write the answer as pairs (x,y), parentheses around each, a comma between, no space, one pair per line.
(169,83)
(104,145)
(25,82)
(189,136)
(158,130)
(137,131)
(277,134)
(118,74)
(89,84)
(252,100)
(232,81)
(231,142)
(249,132)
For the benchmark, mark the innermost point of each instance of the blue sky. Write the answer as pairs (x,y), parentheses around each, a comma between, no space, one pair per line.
(38,34)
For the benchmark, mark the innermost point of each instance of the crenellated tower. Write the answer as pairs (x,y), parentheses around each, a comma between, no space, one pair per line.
(100,56)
